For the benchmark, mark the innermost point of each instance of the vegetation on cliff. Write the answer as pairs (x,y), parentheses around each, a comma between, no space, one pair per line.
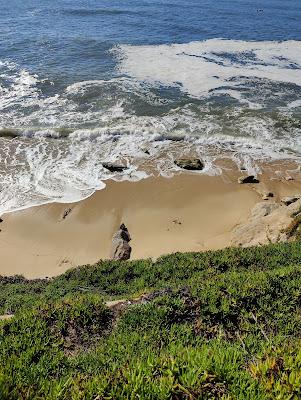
(214,325)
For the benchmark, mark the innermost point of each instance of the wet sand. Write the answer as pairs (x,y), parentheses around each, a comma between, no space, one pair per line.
(189,212)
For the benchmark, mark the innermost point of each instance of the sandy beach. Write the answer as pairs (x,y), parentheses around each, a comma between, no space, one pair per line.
(189,212)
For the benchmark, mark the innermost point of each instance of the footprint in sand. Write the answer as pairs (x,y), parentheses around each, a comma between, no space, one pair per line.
(64,261)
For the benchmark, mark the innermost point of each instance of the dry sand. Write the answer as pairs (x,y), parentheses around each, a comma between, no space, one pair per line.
(190,212)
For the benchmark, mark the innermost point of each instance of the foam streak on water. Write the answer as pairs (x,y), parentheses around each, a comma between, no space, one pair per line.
(212,99)
(200,68)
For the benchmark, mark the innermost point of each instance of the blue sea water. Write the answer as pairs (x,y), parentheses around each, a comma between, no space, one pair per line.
(70,39)
(82,82)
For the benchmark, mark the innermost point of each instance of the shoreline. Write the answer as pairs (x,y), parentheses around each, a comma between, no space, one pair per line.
(226,167)
(188,212)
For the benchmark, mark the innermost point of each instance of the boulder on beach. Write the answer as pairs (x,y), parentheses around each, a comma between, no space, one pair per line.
(290,199)
(191,164)
(267,195)
(248,179)
(121,250)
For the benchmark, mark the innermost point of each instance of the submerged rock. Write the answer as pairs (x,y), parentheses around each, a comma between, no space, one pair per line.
(121,250)
(114,167)
(248,179)
(174,138)
(191,164)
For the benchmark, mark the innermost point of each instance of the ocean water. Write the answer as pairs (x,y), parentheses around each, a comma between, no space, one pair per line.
(141,83)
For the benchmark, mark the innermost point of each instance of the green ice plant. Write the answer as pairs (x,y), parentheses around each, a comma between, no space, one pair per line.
(213,325)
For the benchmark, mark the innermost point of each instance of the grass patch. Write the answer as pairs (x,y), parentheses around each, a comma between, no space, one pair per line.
(214,325)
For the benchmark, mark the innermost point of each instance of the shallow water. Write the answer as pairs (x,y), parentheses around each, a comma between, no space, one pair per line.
(91,81)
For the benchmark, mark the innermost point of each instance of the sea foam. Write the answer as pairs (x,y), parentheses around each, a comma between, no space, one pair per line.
(204,67)
(211,99)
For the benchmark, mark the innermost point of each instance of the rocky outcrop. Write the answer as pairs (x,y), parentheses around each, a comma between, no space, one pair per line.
(268,224)
(263,209)
(113,167)
(121,250)
(190,164)
(247,179)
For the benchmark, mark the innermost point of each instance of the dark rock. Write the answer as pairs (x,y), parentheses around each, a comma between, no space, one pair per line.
(248,179)
(174,138)
(114,167)
(267,195)
(290,200)
(191,164)
(146,151)
(121,250)
(1,220)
